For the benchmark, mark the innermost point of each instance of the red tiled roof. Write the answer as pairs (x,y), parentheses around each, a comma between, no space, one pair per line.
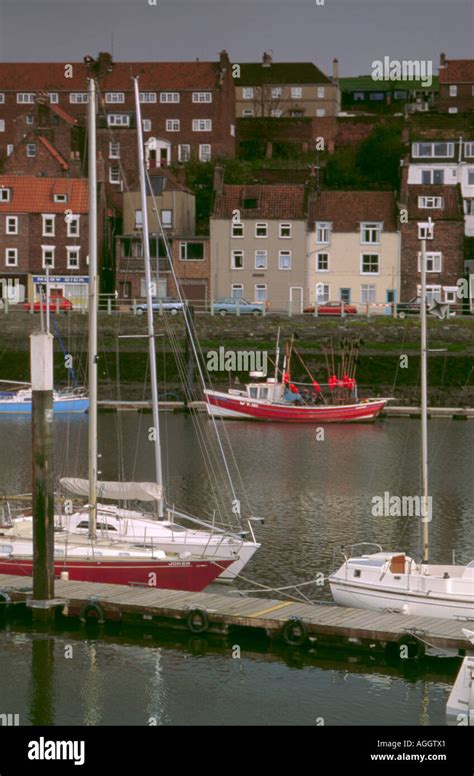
(272,201)
(457,71)
(54,152)
(35,195)
(452,210)
(62,114)
(346,210)
(50,76)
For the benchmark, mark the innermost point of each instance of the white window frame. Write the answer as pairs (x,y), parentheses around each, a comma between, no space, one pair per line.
(319,255)
(2,98)
(186,156)
(205,150)
(431,155)
(60,198)
(247,112)
(452,110)
(287,255)
(28,153)
(434,292)
(5,194)
(10,148)
(118,120)
(263,254)
(8,262)
(425,231)
(25,98)
(453,90)
(173,125)
(284,225)
(146,123)
(368,273)
(51,218)
(433,258)
(114,174)
(53,97)
(296,92)
(11,225)
(114,149)
(183,250)
(323,227)
(77,98)
(320,92)
(202,125)
(2,125)
(147,97)
(73,219)
(138,219)
(166,220)
(276,113)
(202,97)
(277,92)
(258,295)
(115,98)
(261,225)
(428,203)
(70,249)
(320,113)
(168,97)
(469,149)
(247,93)
(48,249)
(374,228)
(369,291)
(237,287)
(233,255)
(237,225)
(325,296)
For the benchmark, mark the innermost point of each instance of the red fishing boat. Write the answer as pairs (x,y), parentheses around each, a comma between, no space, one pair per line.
(279,398)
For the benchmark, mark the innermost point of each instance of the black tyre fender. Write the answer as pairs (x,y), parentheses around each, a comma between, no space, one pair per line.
(197,621)
(92,612)
(294,632)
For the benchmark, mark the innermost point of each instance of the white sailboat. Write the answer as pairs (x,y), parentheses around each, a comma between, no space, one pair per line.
(393,580)
(460,706)
(174,530)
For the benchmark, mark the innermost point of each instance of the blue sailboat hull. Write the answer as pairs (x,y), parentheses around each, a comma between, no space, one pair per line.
(77,404)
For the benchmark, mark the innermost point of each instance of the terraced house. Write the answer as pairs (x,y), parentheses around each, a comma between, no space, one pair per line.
(353,248)
(258,244)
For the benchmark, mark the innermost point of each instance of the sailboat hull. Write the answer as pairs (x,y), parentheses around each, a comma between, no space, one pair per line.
(169,575)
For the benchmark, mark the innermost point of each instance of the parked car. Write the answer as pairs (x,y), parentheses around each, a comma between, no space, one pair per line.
(64,305)
(229,306)
(165,303)
(332,308)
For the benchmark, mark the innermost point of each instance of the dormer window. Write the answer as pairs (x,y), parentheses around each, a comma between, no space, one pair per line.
(430,202)
(60,197)
(5,195)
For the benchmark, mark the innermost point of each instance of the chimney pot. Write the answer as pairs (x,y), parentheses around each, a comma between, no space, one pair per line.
(335,69)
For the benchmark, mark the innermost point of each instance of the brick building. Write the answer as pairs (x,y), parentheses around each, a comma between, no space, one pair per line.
(444,249)
(44,223)
(456,85)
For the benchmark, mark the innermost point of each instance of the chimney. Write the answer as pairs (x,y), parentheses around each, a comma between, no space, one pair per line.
(335,69)
(442,60)
(267,59)
(100,169)
(218,179)
(224,60)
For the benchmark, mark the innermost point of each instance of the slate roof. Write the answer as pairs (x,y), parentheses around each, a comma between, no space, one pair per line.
(278,202)
(32,194)
(254,74)
(346,210)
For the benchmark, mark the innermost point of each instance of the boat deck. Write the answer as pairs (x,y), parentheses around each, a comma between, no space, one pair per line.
(327,625)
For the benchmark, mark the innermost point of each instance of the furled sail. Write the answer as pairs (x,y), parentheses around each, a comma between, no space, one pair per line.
(118,491)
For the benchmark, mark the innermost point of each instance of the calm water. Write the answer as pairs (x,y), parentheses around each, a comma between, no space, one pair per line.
(315,496)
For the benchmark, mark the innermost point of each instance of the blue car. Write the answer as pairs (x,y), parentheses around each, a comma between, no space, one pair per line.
(165,304)
(228,306)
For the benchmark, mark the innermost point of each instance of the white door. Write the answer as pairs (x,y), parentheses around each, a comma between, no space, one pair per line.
(296,300)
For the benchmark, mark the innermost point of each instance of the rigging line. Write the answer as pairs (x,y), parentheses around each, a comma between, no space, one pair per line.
(61,344)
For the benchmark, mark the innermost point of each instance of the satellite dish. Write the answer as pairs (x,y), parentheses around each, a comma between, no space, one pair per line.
(438,309)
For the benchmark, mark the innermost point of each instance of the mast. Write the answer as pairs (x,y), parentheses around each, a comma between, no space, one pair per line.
(424,409)
(277,355)
(149,300)
(92,170)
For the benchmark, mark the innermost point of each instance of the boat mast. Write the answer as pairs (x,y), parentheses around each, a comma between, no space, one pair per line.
(277,355)
(149,299)
(92,170)
(424,409)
